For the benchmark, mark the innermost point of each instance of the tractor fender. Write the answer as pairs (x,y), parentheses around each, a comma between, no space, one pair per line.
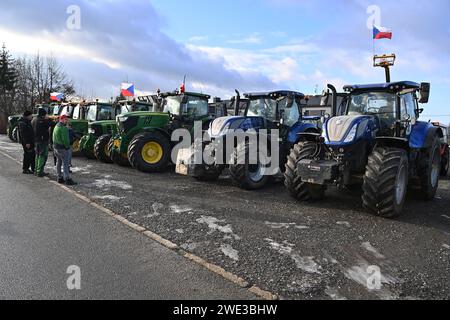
(423,134)
(392,142)
(162,131)
(297,130)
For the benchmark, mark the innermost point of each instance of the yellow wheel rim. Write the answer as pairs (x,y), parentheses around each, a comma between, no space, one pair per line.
(76,146)
(152,152)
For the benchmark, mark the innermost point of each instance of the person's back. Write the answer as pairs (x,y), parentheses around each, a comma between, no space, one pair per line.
(26,138)
(41,125)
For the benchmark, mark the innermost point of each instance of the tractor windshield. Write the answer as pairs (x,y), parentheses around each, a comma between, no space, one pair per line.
(195,106)
(372,103)
(99,113)
(263,107)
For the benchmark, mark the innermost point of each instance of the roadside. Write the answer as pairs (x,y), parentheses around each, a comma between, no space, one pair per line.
(298,251)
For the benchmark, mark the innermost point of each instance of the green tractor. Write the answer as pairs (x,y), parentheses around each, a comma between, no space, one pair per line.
(13,121)
(81,114)
(94,145)
(144,138)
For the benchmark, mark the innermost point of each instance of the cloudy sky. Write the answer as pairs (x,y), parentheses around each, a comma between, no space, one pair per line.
(246,44)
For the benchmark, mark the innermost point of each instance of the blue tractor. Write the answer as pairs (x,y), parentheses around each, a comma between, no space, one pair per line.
(378,143)
(264,113)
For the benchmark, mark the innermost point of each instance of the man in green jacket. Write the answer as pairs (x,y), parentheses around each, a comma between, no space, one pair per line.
(61,145)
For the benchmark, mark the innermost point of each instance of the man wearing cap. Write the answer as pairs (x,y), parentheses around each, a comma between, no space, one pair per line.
(41,125)
(26,138)
(61,145)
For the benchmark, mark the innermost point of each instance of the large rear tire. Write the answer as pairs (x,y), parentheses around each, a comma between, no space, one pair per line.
(445,163)
(116,157)
(430,170)
(248,176)
(149,152)
(101,149)
(297,188)
(386,182)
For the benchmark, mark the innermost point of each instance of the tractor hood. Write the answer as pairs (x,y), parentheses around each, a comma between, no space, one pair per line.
(104,122)
(224,125)
(347,129)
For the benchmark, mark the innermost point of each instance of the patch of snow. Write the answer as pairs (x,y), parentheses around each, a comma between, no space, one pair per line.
(230,252)
(277,226)
(306,264)
(284,248)
(213,225)
(343,223)
(108,197)
(373,250)
(334,294)
(156,207)
(179,209)
(180,231)
(107,184)
(446,246)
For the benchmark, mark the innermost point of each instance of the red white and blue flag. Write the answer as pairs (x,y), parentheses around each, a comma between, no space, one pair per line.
(381,33)
(128,89)
(56,96)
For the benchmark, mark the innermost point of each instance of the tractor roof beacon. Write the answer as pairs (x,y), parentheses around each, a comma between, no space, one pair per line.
(379,142)
(264,113)
(144,138)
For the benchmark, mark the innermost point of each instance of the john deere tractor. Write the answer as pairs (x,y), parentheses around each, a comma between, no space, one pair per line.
(144,138)
(264,113)
(94,145)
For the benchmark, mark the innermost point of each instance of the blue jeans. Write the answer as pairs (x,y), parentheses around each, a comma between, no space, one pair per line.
(62,161)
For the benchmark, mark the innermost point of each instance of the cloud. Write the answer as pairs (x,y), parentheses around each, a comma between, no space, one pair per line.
(126,36)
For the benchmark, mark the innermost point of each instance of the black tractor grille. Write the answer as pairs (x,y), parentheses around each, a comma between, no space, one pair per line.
(129,124)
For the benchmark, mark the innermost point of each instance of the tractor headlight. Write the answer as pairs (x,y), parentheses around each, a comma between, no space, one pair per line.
(91,131)
(123,119)
(352,134)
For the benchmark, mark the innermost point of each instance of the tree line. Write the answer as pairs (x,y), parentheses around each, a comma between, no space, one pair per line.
(27,81)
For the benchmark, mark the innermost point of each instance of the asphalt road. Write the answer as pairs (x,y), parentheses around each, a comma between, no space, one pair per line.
(44,230)
(298,251)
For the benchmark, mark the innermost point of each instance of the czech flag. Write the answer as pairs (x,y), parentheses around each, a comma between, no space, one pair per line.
(56,96)
(381,33)
(128,89)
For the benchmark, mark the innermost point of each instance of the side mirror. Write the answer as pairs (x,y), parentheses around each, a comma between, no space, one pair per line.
(425,89)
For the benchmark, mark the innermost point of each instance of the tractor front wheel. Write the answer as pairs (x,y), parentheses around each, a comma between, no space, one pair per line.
(245,175)
(430,171)
(386,182)
(298,188)
(149,152)
(116,157)
(101,149)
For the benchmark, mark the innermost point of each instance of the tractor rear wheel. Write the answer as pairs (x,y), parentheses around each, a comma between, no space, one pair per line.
(204,172)
(10,135)
(101,148)
(15,134)
(149,152)
(297,188)
(116,157)
(386,182)
(245,175)
(445,163)
(430,170)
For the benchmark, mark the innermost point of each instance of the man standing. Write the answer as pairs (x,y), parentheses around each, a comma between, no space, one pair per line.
(26,138)
(41,125)
(61,145)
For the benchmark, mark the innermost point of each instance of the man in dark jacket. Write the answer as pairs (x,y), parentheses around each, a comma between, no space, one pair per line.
(26,138)
(41,125)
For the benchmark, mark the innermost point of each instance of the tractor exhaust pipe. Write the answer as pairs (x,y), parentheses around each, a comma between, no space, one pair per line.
(334,100)
(237,103)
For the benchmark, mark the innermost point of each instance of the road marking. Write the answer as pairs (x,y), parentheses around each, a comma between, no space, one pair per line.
(166,243)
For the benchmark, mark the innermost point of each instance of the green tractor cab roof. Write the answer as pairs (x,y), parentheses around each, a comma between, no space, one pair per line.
(391,86)
(142,113)
(192,94)
(274,94)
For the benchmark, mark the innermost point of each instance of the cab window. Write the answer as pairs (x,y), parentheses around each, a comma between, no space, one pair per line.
(290,114)
(76,113)
(105,113)
(91,113)
(408,106)
(197,107)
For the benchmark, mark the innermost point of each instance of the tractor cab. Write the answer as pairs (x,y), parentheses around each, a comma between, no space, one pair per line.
(186,107)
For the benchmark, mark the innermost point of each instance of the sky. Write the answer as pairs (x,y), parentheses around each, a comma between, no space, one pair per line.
(250,45)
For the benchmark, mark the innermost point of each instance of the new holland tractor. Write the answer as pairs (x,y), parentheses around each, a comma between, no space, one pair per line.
(379,143)
(264,113)
(144,138)
(94,145)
